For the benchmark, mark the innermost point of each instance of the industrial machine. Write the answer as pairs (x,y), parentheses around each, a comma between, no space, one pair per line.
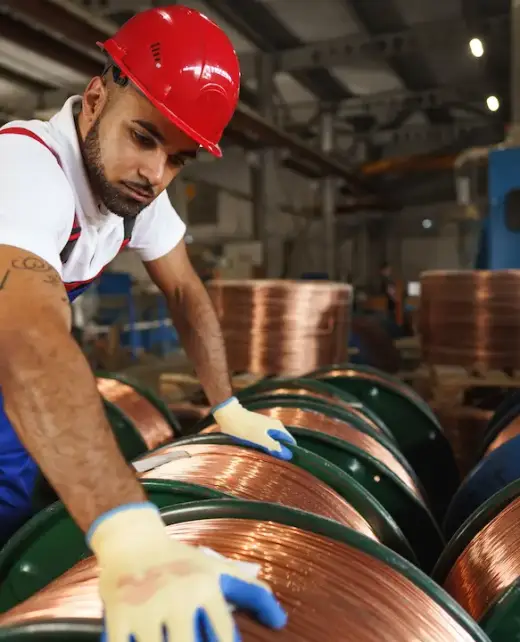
(488,187)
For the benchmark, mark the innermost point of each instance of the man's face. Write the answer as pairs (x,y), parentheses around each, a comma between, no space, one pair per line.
(131,151)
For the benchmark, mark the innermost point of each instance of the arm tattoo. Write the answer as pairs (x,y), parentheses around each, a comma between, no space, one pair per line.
(4,279)
(32,263)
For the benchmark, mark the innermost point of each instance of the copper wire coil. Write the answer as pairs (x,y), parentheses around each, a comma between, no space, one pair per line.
(313,420)
(511,431)
(471,318)
(281,326)
(249,474)
(331,590)
(321,396)
(489,564)
(149,422)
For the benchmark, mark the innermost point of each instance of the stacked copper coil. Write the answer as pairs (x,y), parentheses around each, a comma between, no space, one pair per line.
(331,590)
(471,318)
(151,424)
(489,564)
(249,474)
(280,326)
(314,420)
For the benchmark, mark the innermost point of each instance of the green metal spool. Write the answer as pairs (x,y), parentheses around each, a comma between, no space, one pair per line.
(413,425)
(353,420)
(145,392)
(346,486)
(265,386)
(501,621)
(88,631)
(411,515)
(51,542)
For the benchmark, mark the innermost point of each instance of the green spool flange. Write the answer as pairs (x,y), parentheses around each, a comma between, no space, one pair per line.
(51,542)
(82,631)
(411,515)
(145,392)
(382,523)
(417,432)
(500,621)
(265,386)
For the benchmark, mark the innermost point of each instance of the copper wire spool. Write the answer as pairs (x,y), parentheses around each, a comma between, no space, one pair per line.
(511,431)
(149,422)
(320,396)
(249,474)
(312,420)
(281,326)
(331,590)
(489,564)
(471,318)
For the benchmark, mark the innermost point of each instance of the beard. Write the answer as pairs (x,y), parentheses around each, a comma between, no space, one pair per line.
(113,198)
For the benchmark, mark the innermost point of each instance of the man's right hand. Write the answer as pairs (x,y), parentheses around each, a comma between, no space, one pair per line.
(150,584)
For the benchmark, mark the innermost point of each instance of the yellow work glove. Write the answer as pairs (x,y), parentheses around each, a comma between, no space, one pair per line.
(155,589)
(251,428)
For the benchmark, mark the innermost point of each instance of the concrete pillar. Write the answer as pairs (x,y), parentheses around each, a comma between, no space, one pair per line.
(328,197)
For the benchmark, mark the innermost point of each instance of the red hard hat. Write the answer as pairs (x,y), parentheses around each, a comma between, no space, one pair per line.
(185,65)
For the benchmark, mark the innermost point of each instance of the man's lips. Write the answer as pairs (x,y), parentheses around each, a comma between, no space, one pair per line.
(138,194)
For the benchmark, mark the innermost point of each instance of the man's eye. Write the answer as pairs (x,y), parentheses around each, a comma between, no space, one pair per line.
(145,141)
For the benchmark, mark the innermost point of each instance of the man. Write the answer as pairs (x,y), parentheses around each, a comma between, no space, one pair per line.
(388,288)
(73,192)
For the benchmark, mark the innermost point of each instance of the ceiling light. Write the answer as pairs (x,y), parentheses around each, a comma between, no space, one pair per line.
(476,47)
(493,104)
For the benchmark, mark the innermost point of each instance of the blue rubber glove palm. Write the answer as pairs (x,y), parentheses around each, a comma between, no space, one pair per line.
(251,428)
(155,589)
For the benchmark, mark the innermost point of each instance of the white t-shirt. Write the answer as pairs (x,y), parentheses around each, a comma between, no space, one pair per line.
(38,199)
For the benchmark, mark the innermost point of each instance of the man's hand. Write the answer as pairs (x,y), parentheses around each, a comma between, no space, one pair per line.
(152,585)
(251,428)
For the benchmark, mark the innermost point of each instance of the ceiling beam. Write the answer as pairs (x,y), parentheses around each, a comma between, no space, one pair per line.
(341,51)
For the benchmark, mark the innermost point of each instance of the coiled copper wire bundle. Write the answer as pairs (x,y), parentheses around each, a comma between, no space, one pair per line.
(489,564)
(331,590)
(329,398)
(280,326)
(471,318)
(149,422)
(249,474)
(312,420)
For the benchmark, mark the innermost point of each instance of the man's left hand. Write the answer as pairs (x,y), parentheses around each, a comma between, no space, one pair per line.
(251,428)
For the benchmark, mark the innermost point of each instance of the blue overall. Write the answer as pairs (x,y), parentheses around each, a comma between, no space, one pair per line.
(18,471)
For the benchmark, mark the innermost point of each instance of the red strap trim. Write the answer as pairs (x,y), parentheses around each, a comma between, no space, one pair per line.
(21,131)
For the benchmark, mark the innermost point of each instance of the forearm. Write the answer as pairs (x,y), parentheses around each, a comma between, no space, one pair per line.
(51,398)
(199,329)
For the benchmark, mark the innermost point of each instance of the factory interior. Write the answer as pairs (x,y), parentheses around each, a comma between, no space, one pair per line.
(359,244)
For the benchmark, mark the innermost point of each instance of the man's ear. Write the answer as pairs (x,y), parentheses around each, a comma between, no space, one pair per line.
(94,99)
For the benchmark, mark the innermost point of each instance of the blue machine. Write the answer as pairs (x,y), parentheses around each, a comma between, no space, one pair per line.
(499,246)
